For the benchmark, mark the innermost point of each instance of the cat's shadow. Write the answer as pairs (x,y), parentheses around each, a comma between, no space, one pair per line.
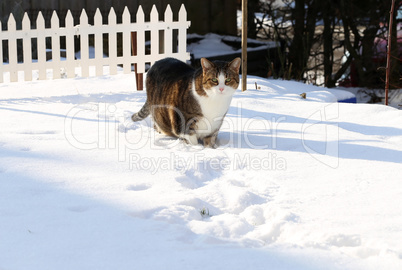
(244,140)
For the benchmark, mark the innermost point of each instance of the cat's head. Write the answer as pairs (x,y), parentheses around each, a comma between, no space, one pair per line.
(219,77)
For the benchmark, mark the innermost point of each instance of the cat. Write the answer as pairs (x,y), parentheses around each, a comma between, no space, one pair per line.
(189,103)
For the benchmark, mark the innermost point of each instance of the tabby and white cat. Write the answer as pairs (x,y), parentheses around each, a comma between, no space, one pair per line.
(187,103)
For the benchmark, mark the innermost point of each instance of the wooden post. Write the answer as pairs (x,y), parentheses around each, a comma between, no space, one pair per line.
(138,76)
(388,71)
(244,45)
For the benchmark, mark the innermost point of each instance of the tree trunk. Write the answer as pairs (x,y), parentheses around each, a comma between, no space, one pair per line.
(297,50)
(328,51)
(395,78)
(253,7)
(327,36)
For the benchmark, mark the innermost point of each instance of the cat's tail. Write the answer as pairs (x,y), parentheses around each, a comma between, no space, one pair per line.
(142,114)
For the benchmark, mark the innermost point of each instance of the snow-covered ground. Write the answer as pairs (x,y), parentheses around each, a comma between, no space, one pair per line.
(211,45)
(295,184)
(364,95)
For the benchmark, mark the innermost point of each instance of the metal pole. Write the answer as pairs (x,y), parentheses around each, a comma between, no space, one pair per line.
(244,45)
(388,71)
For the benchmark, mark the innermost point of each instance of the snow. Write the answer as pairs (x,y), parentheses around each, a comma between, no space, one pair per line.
(295,184)
(363,95)
(212,45)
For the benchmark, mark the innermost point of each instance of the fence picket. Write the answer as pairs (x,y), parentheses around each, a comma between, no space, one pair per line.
(12,49)
(70,53)
(55,25)
(126,42)
(40,27)
(161,45)
(154,34)
(112,21)
(168,31)
(98,44)
(183,29)
(83,32)
(140,17)
(26,48)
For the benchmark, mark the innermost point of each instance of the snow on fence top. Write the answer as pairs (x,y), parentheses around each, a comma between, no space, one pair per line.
(27,40)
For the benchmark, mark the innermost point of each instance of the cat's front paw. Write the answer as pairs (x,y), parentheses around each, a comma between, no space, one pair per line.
(210,141)
(212,146)
(190,139)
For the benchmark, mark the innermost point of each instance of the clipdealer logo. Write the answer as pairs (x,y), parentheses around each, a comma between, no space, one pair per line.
(113,131)
(319,137)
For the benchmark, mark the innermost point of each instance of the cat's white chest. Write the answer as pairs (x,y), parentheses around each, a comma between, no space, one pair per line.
(213,110)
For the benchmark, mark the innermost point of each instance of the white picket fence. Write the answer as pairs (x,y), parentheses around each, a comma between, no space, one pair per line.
(68,65)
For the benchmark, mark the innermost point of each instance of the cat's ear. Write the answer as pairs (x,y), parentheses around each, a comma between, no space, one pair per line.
(235,64)
(206,64)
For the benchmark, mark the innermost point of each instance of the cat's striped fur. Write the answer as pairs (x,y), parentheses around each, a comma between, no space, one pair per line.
(188,103)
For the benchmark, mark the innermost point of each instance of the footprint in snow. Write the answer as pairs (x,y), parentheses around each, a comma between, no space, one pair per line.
(200,174)
(139,187)
(39,132)
(342,240)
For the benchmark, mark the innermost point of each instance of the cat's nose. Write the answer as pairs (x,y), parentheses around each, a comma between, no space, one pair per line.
(221,89)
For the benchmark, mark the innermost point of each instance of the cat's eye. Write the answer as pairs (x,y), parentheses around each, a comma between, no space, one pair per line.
(215,80)
(228,80)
